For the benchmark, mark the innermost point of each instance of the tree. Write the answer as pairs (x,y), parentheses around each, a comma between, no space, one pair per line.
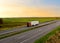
(1,21)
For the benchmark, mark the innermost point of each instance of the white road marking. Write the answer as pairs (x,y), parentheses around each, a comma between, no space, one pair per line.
(27,34)
(32,37)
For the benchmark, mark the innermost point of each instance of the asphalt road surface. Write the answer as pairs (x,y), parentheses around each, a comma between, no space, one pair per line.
(22,28)
(31,36)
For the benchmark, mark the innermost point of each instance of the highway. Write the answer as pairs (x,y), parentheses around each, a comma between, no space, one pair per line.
(22,28)
(31,36)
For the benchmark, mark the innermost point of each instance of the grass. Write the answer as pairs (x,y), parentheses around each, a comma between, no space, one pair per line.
(44,38)
(7,20)
(14,33)
(13,22)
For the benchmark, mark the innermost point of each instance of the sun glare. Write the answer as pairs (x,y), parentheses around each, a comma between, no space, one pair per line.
(1,9)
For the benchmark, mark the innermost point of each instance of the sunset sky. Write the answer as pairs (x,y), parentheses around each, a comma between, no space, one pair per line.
(29,8)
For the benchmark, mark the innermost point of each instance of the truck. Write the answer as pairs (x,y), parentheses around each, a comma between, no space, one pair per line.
(32,23)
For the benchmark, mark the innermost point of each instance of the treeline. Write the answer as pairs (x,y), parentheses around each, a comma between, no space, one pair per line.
(1,22)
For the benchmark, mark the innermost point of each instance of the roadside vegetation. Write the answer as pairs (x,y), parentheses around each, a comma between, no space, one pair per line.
(15,33)
(13,22)
(52,37)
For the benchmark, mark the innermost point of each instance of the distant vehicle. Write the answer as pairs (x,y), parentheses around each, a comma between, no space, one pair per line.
(32,23)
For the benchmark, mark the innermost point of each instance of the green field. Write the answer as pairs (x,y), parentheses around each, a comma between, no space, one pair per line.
(9,20)
(8,23)
(45,38)
(15,33)
(13,22)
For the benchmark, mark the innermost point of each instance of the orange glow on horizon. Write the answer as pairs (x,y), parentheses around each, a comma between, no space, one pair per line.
(25,11)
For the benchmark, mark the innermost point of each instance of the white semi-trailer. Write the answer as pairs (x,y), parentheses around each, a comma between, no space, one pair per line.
(32,23)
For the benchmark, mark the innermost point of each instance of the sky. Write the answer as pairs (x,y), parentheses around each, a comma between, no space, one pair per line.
(29,8)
